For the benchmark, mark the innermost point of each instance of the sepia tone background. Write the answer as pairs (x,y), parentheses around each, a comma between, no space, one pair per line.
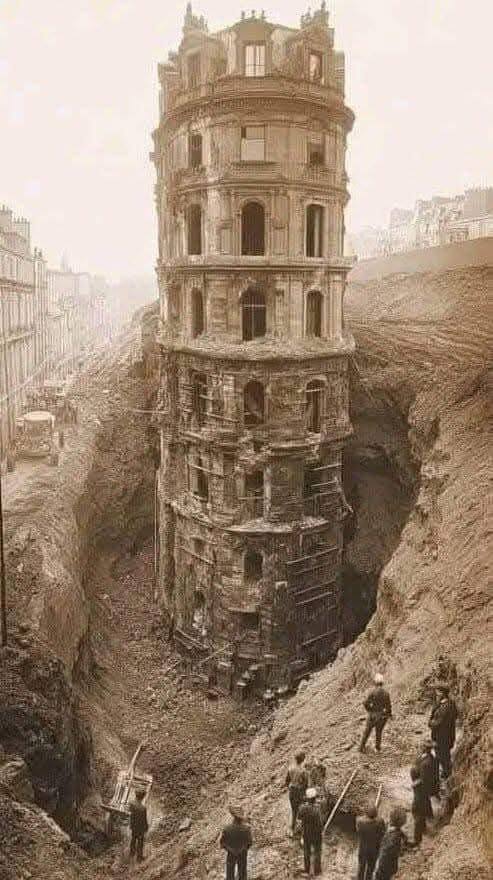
(77,102)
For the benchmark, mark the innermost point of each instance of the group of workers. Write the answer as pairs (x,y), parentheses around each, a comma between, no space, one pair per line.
(379,845)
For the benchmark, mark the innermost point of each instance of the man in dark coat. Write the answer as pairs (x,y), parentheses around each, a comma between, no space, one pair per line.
(391,847)
(138,826)
(370,829)
(379,708)
(421,807)
(311,822)
(236,839)
(442,724)
(429,768)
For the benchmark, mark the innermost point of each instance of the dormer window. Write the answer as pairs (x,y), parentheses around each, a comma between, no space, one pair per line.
(316,66)
(255,59)
(193,70)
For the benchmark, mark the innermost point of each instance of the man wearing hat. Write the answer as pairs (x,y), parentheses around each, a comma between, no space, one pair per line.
(138,825)
(236,839)
(297,782)
(392,845)
(379,708)
(311,822)
(370,829)
(429,769)
(442,724)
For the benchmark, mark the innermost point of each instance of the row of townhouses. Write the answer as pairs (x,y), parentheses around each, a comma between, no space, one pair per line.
(436,221)
(49,319)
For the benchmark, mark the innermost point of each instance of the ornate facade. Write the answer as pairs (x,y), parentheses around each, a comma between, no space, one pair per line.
(251,189)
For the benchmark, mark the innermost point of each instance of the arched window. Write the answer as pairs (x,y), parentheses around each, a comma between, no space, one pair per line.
(253,564)
(314,230)
(194,229)
(253,314)
(314,313)
(314,398)
(253,404)
(197,312)
(253,229)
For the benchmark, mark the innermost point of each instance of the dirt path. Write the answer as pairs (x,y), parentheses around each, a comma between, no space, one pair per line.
(192,745)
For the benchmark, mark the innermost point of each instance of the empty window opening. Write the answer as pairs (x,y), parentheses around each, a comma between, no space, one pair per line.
(316,66)
(194,229)
(252,143)
(314,230)
(254,492)
(314,313)
(253,565)
(255,59)
(253,404)
(197,312)
(253,314)
(195,150)
(198,619)
(314,406)
(229,479)
(316,153)
(200,397)
(199,479)
(249,621)
(253,229)
(193,70)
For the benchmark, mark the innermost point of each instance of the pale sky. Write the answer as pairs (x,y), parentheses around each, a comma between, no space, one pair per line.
(79,97)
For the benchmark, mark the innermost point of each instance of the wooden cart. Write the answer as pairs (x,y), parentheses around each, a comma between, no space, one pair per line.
(128,782)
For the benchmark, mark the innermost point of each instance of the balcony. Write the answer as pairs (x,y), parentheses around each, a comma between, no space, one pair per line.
(276,86)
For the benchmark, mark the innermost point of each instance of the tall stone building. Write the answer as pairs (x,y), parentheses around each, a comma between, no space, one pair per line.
(251,189)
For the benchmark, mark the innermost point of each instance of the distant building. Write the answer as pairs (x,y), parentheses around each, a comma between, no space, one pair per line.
(22,306)
(49,319)
(436,221)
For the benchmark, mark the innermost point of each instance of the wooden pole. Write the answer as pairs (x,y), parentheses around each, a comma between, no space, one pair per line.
(378,797)
(340,799)
(3,581)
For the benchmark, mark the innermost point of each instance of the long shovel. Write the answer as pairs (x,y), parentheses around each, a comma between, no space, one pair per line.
(340,799)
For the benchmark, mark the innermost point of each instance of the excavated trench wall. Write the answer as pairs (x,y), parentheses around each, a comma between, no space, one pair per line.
(381,482)
(102,495)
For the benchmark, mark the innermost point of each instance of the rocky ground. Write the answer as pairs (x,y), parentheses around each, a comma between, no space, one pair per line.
(89,674)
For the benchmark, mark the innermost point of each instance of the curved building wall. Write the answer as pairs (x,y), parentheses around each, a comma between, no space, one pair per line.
(250,194)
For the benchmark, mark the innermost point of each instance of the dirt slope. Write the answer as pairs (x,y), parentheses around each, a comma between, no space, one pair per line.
(422,343)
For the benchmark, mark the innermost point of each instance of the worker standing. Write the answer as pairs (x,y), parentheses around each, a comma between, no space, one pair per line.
(379,708)
(297,782)
(421,807)
(311,822)
(138,825)
(392,845)
(236,839)
(370,829)
(442,724)
(429,768)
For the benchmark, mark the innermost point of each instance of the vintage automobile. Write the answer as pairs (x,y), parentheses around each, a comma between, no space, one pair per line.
(52,396)
(35,436)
